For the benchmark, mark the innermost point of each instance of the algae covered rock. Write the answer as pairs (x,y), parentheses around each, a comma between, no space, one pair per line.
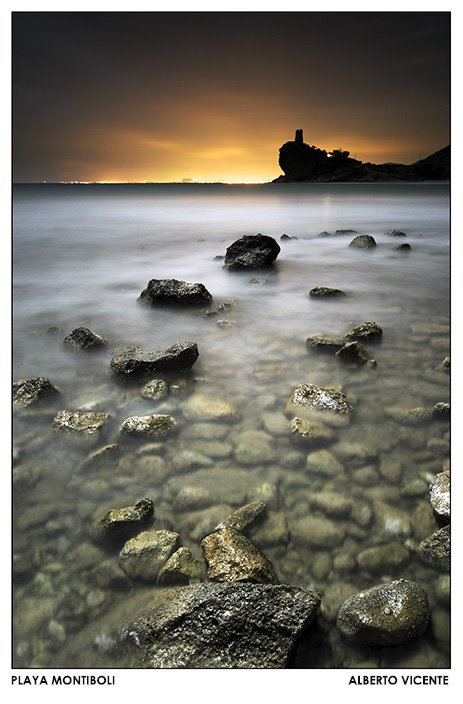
(143,556)
(251,252)
(119,524)
(174,292)
(233,625)
(386,614)
(34,391)
(231,557)
(133,363)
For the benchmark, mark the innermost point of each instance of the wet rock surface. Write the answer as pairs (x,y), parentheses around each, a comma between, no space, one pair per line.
(84,339)
(363,242)
(439,491)
(222,626)
(231,557)
(143,556)
(435,549)
(251,252)
(35,391)
(385,615)
(175,292)
(133,362)
(319,399)
(157,425)
(120,524)
(85,426)
(355,353)
(325,292)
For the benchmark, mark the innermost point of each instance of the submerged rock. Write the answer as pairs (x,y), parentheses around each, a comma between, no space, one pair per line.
(251,252)
(235,625)
(397,233)
(383,559)
(35,391)
(309,433)
(84,426)
(143,557)
(202,407)
(435,550)
(387,614)
(403,247)
(320,399)
(155,389)
(328,343)
(323,462)
(133,362)
(439,490)
(158,425)
(355,353)
(231,557)
(122,523)
(315,532)
(325,292)
(174,292)
(84,339)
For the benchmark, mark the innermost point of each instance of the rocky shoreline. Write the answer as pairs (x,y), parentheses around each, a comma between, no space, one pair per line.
(207,540)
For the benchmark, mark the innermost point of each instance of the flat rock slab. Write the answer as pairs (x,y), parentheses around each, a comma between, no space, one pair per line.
(251,252)
(387,614)
(326,343)
(222,626)
(174,292)
(133,363)
(231,557)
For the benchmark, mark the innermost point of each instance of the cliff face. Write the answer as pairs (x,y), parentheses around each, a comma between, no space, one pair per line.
(302,162)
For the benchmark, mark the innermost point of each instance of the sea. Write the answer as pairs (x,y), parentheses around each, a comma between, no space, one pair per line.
(83,253)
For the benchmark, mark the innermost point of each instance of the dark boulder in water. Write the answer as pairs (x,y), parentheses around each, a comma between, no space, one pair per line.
(325,292)
(355,353)
(251,252)
(231,625)
(133,362)
(174,292)
(83,339)
(403,247)
(386,614)
(363,242)
(365,331)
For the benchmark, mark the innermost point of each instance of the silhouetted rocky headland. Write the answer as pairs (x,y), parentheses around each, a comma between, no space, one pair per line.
(303,162)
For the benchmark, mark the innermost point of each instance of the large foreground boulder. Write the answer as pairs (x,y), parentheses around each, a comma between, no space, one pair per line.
(222,626)
(174,292)
(133,363)
(251,252)
(387,614)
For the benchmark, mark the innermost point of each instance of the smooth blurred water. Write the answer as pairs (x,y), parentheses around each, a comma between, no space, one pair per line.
(82,255)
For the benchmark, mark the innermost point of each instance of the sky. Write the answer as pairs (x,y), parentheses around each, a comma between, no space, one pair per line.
(211,96)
